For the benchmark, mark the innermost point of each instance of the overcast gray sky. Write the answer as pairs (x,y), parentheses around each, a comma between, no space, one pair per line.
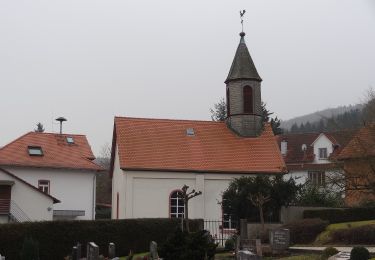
(91,60)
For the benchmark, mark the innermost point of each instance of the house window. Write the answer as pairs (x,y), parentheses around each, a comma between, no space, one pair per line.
(176,205)
(228,103)
(323,153)
(248,100)
(317,178)
(35,150)
(43,185)
(229,222)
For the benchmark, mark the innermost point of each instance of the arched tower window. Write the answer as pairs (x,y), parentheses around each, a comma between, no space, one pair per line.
(248,100)
(228,102)
(176,204)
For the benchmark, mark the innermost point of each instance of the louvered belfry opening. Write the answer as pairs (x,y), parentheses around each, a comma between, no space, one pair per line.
(248,100)
(5,194)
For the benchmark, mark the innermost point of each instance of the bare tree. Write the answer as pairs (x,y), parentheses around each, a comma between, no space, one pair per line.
(259,200)
(186,196)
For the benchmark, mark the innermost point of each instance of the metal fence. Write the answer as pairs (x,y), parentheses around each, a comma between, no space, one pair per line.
(221,230)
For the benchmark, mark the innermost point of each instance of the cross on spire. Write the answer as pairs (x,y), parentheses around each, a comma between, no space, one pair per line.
(242,13)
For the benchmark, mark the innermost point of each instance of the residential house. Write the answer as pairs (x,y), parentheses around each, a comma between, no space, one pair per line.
(311,156)
(59,165)
(153,158)
(359,167)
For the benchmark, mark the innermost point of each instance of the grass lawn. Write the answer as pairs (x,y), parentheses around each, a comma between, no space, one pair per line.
(324,237)
(302,257)
(135,256)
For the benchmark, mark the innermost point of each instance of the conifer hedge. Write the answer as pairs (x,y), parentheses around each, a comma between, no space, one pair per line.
(56,238)
(341,215)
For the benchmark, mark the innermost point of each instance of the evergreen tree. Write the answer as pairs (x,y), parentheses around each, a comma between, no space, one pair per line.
(219,112)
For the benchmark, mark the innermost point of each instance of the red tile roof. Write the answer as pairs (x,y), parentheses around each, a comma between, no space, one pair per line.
(361,145)
(163,145)
(31,186)
(295,154)
(57,153)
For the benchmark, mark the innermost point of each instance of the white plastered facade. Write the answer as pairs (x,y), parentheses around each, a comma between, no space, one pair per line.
(145,194)
(74,188)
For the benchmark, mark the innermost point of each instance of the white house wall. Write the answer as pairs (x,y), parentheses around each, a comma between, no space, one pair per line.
(74,188)
(322,142)
(35,205)
(118,186)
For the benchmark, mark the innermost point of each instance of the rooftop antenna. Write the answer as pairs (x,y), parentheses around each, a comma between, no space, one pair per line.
(61,120)
(242,13)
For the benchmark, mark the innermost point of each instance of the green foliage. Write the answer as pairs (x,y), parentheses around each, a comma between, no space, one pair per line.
(329,251)
(56,238)
(230,244)
(306,230)
(186,246)
(341,215)
(219,112)
(356,235)
(359,253)
(235,198)
(30,249)
(312,196)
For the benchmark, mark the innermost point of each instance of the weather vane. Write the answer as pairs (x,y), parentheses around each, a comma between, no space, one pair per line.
(242,13)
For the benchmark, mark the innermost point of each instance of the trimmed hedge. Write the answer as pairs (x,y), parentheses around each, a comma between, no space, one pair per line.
(357,235)
(56,238)
(341,215)
(306,230)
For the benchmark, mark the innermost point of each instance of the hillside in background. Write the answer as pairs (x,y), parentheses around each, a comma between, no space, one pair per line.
(326,114)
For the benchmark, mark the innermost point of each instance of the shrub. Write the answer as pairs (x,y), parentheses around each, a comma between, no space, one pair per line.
(230,244)
(357,235)
(29,250)
(306,230)
(359,253)
(186,246)
(56,238)
(341,215)
(329,251)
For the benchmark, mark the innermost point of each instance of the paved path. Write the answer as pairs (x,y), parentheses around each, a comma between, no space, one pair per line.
(371,249)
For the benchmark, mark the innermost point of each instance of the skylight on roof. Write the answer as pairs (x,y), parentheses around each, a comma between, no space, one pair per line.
(70,140)
(190,131)
(35,151)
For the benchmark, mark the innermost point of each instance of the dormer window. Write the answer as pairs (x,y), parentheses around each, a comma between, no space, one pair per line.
(70,140)
(323,153)
(35,151)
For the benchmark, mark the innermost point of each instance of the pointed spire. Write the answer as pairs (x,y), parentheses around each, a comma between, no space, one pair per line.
(243,66)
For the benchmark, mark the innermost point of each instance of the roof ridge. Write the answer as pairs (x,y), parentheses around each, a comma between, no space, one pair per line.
(50,133)
(167,119)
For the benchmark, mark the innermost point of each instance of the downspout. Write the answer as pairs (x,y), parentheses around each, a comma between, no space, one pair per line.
(93,196)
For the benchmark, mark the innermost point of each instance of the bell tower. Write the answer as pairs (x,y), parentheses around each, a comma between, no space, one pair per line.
(243,95)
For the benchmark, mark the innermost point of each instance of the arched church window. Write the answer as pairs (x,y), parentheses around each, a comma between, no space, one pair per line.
(176,204)
(248,100)
(228,103)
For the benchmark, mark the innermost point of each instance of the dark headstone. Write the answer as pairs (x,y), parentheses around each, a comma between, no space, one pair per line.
(92,251)
(74,253)
(279,239)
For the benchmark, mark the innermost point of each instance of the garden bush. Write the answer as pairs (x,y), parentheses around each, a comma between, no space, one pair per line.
(56,238)
(306,230)
(341,215)
(356,235)
(29,250)
(329,251)
(187,246)
(230,243)
(359,253)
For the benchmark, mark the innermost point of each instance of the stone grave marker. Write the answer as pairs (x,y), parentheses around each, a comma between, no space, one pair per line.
(340,256)
(154,250)
(279,239)
(92,251)
(111,250)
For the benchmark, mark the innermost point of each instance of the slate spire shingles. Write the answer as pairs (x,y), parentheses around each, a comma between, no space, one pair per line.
(242,66)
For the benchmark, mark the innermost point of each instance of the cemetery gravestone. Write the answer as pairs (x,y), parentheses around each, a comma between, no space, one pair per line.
(279,239)
(154,250)
(92,251)
(111,250)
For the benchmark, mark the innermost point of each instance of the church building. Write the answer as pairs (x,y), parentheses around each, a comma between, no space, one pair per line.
(153,158)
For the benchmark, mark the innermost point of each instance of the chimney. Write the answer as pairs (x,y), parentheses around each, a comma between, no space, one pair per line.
(284,147)
(61,120)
